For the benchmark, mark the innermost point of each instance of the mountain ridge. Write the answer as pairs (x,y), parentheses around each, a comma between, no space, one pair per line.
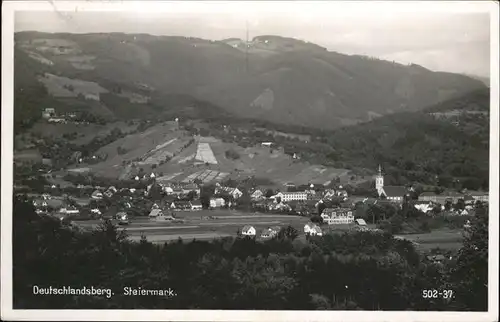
(310,85)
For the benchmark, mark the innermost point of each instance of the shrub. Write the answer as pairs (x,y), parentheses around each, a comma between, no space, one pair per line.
(232,154)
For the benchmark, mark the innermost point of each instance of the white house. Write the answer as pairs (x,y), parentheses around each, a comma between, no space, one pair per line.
(217,202)
(312,229)
(168,190)
(267,144)
(329,193)
(257,195)
(269,232)
(95,211)
(196,205)
(248,231)
(333,216)
(69,211)
(159,215)
(290,196)
(233,192)
(424,207)
(113,189)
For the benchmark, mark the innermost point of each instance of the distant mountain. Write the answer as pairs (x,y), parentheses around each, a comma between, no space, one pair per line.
(485,80)
(271,78)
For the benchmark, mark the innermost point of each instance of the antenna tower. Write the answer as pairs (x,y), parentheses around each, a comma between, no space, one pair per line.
(246,48)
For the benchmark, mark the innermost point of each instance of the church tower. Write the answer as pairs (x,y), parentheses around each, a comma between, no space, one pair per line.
(379,180)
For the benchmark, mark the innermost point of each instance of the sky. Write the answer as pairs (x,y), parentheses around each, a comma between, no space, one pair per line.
(439,39)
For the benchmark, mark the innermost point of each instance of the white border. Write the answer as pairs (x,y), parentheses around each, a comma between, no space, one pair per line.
(387,7)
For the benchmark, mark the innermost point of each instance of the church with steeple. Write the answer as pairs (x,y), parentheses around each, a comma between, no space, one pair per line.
(392,193)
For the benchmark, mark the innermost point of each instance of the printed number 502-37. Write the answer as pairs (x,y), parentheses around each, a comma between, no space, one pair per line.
(434,294)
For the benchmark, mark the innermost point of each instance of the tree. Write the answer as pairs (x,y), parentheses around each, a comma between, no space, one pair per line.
(269,193)
(469,277)
(288,232)
(321,206)
(460,205)
(191,195)
(317,219)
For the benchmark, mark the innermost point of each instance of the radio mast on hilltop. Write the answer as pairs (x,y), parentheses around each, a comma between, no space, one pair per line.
(246,49)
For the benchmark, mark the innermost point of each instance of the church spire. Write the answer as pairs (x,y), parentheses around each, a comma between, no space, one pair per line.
(379,170)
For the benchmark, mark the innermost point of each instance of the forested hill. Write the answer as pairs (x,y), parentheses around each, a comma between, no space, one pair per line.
(449,140)
(277,79)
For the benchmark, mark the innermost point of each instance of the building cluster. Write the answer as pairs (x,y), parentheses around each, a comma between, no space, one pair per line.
(310,229)
(51,116)
(332,203)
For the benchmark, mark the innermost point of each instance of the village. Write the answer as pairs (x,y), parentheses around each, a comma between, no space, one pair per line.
(312,209)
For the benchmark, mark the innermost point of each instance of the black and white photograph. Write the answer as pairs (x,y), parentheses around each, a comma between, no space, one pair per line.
(250,161)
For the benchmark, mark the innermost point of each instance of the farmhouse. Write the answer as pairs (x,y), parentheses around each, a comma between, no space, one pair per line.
(91,96)
(181,205)
(341,193)
(269,233)
(217,202)
(69,210)
(121,216)
(248,231)
(334,216)
(177,191)
(57,120)
(156,213)
(360,222)
(424,206)
(428,196)
(312,229)
(235,193)
(40,203)
(290,196)
(48,113)
(196,205)
(257,195)
(168,190)
(480,196)
(112,189)
(159,215)
(329,193)
(469,200)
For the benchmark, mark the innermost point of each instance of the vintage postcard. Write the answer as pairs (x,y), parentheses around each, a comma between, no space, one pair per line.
(249,161)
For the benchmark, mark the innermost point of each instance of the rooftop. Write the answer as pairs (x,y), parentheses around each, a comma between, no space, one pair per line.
(395,191)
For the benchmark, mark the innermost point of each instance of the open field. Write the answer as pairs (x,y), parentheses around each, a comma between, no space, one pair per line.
(442,238)
(205,154)
(85,132)
(226,223)
(189,162)
(196,225)
(59,86)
